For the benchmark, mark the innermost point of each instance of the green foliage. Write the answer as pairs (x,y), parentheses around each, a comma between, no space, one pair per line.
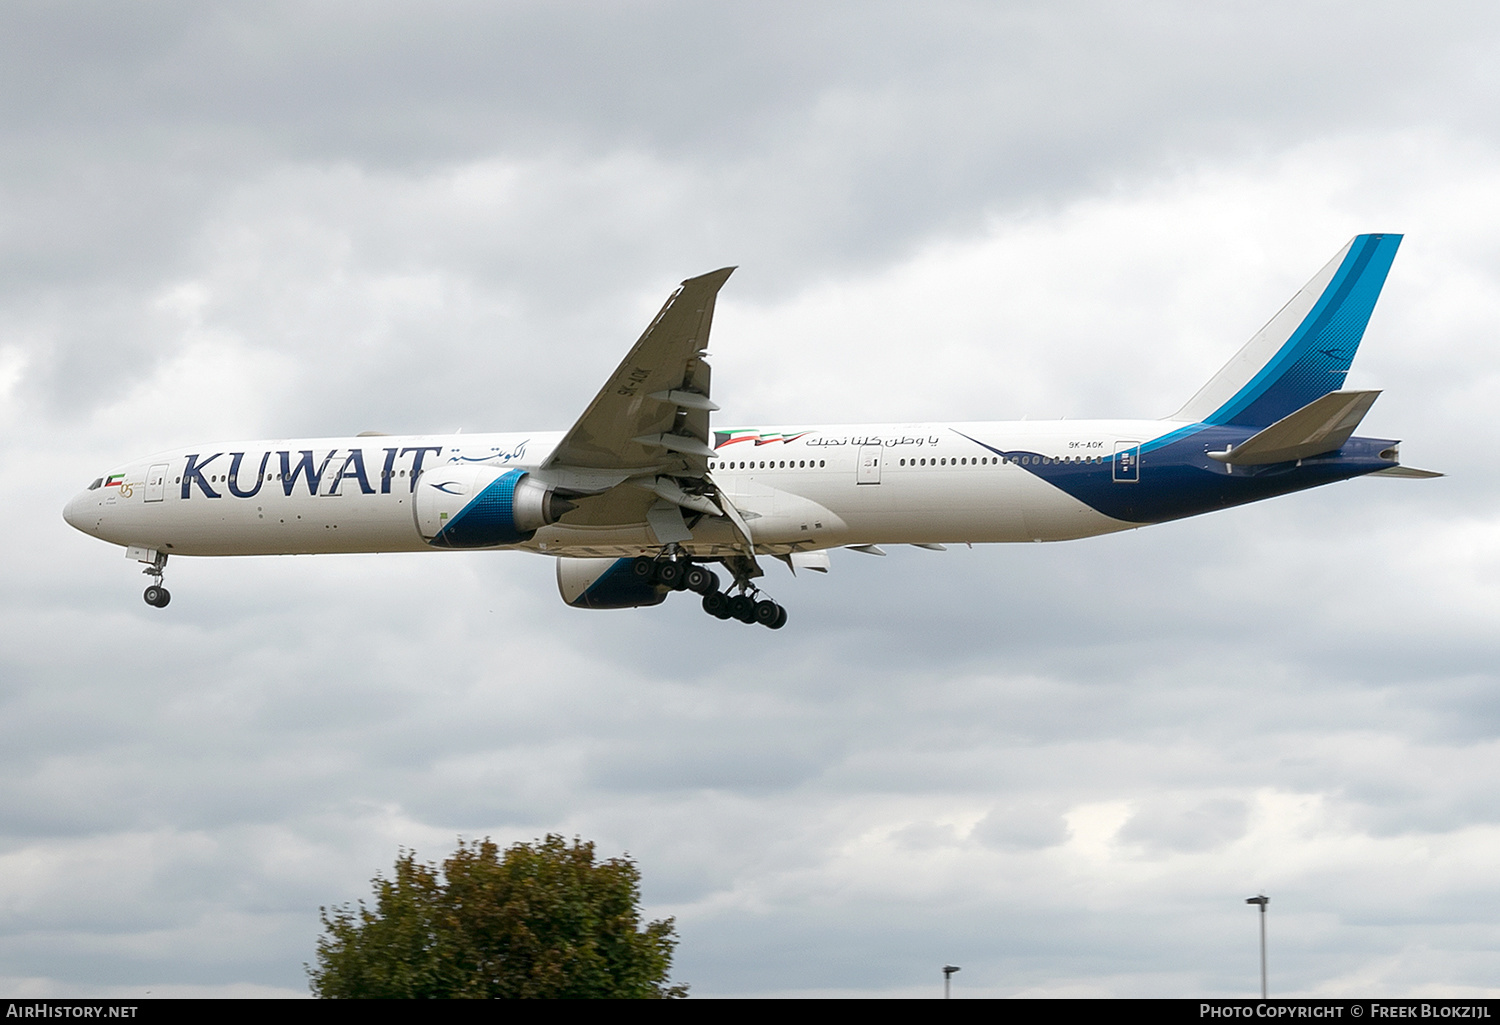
(539,920)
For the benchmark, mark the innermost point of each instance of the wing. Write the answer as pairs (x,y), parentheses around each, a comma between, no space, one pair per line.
(640,451)
(652,413)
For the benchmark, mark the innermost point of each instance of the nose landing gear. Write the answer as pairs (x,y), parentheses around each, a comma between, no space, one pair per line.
(156,595)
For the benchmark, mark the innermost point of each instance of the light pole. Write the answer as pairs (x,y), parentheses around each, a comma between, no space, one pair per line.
(1262,900)
(948,970)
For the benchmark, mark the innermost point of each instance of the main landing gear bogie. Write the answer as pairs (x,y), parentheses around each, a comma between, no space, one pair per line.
(677,574)
(746,609)
(681,574)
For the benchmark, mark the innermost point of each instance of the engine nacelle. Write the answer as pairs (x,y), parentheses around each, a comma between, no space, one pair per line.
(468,506)
(605,584)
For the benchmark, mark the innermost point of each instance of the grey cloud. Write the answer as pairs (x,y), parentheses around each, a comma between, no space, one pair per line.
(1023,826)
(845,139)
(1161,827)
(401,218)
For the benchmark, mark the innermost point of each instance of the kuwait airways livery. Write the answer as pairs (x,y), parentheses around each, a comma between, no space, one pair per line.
(644,494)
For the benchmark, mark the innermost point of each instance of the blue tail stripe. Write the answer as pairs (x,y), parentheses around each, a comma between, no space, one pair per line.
(1316,358)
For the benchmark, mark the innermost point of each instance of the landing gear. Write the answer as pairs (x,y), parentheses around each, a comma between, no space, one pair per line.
(746,608)
(680,573)
(700,580)
(742,607)
(768,613)
(716,604)
(156,595)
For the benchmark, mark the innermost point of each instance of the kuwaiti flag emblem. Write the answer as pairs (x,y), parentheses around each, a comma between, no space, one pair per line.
(724,438)
(115,480)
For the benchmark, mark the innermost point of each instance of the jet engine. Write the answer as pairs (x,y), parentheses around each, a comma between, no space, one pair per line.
(469,506)
(606,584)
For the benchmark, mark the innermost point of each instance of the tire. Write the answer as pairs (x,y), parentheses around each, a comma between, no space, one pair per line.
(699,580)
(742,608)
(780,619)
(153,596)
(671,574)
(716,604)
(767,612)
(166,596)
(643,568)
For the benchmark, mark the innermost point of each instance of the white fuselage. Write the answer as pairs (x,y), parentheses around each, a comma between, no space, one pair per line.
(799,489)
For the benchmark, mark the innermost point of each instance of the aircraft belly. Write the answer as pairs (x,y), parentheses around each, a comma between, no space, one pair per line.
(273,524)
(1051,514)
(922,506)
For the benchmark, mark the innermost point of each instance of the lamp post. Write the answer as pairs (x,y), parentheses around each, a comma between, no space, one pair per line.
(948,970)
(1262,900)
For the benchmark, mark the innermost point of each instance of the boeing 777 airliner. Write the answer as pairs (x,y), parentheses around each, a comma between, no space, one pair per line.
(642,494)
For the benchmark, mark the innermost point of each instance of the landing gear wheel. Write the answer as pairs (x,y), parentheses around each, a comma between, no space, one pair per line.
(780,619)
(672,574)
(716,604)
(768,613)
(643,568)
(156,595)
(742,607)
(701,580)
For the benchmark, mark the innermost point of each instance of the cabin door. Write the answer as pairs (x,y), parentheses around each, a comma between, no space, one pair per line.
(156,482)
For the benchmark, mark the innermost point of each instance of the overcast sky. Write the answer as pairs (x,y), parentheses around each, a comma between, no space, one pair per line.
(1062,767)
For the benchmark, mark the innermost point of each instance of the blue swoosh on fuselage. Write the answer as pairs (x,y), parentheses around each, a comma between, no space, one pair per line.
(1176,478)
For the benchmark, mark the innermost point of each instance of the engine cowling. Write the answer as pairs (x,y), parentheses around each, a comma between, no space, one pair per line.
(605,584)
(468,506)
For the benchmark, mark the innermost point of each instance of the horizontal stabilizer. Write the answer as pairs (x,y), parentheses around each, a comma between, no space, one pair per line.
(1322,425)
(1406,471)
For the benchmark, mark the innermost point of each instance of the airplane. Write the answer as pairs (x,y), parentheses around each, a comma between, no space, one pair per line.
(643,495)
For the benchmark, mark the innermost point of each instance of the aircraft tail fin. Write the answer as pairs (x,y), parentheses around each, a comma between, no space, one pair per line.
(1305,351)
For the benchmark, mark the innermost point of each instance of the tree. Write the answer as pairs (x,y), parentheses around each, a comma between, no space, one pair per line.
(539,920)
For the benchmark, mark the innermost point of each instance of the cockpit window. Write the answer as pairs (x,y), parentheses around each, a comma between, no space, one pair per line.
(98,483)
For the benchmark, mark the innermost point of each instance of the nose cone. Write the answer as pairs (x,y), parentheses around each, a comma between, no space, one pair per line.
(76,511)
